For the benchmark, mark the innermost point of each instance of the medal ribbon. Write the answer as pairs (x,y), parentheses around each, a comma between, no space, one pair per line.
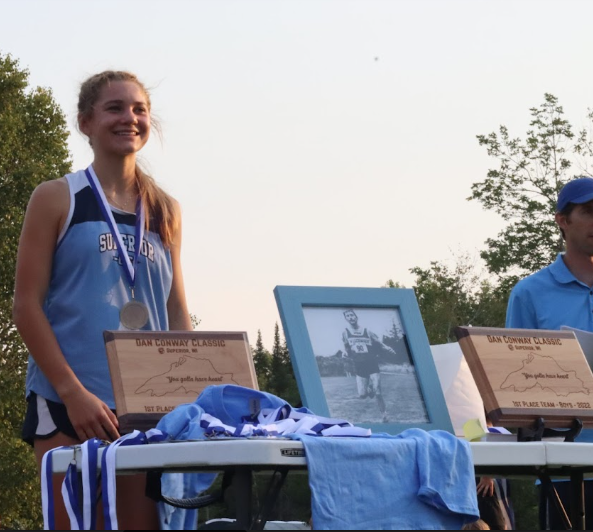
(83,515)
(108,461)
(89,452)
(129,268)
(47,489)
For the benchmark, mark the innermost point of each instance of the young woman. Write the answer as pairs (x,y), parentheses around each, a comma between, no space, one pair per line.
(99,250)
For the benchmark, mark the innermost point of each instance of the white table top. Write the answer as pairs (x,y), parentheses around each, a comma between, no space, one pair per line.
(265,453)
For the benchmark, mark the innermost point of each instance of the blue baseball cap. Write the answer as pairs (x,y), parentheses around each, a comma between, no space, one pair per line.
(575,191)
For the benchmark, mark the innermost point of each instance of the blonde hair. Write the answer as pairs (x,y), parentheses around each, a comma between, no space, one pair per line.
(159,206)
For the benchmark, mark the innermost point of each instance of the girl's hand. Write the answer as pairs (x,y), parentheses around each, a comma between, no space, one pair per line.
(91,417)
(485,487)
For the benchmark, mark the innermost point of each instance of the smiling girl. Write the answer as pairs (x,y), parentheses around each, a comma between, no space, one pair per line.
(99,250)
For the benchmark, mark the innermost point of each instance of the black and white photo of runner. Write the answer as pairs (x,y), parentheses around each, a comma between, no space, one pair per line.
(365,366)
(362,346)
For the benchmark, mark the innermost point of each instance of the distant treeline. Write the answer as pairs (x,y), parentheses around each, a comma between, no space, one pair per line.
(337,365)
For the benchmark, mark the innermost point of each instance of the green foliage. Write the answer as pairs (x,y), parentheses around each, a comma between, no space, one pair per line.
(33,149)
(262,360)
(461,295)
(449,297)
(282,381)
(20,501)
(393,284)
(524,188)
(274,370)
(195,321)
(525,499)
(293,502)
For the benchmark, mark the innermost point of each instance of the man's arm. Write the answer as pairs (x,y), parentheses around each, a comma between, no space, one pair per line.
(346,343)
(383,346)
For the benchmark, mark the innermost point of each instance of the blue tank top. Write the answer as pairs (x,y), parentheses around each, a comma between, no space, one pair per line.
(88,287)
(359,341)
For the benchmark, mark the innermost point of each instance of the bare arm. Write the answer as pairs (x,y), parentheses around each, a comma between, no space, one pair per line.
(46,213)
(177,311)
(346,344)
(383,346)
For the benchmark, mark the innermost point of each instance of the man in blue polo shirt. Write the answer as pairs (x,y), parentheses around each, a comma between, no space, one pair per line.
(562,294)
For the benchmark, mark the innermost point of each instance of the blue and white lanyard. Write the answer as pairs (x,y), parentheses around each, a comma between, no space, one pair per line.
(108,484)
(283,421)
(86,519)
(90,450)
(129,268)
(47,490)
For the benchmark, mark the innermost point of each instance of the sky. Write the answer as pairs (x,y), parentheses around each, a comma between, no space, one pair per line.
(314,142)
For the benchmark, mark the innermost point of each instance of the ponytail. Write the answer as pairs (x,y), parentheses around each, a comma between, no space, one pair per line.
(159,207)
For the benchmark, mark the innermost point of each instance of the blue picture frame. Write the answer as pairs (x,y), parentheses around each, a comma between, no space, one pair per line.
(311,314)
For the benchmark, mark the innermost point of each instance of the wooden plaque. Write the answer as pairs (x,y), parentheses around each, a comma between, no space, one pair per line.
(525,374)
(153,372)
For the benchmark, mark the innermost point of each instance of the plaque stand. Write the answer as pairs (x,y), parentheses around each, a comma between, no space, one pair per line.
(541,431)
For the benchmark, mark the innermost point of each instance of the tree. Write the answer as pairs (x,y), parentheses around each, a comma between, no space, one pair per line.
(292,394)
(524,188)
(449,297)
(262,360)
(282,381)
(462,295)
(33,149)
(195,321)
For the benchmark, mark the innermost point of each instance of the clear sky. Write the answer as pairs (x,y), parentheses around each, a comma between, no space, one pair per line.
(314,142)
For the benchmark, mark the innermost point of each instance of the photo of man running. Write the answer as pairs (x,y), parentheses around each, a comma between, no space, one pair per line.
(363,348)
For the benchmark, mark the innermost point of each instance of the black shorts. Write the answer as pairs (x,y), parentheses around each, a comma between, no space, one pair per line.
(45,423)
(365,368)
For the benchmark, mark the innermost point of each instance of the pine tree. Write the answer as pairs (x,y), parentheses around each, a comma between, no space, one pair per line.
(262,360)
(282,380)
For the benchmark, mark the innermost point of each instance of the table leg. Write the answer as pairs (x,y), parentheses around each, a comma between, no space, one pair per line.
(243,486)
(577,500)
(554,498)
(275,485)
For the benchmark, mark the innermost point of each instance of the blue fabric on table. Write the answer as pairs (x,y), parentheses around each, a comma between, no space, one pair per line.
(230,404)
(182,424)
(416,480)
